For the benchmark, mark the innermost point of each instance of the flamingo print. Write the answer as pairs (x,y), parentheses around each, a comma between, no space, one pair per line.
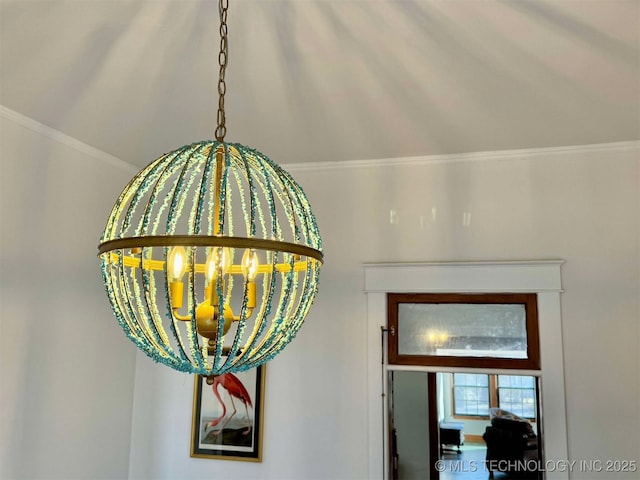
(235,388)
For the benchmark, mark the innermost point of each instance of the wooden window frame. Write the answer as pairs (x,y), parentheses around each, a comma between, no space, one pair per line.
(497,393)
(529,300)
(469,416)
(494,397)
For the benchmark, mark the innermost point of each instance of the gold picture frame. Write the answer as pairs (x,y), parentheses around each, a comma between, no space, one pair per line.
(223,425)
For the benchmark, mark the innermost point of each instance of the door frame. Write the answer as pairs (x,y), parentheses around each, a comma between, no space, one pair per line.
(542,277)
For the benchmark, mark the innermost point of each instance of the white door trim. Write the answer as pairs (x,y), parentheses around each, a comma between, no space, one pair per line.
(532,276)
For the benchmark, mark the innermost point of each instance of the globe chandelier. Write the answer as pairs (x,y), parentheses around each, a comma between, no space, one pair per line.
(211,254)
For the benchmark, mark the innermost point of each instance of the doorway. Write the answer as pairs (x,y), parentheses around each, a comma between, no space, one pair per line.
(461,334)
(438,419)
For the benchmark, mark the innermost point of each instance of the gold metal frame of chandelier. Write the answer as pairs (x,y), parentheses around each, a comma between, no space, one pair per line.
(208,241)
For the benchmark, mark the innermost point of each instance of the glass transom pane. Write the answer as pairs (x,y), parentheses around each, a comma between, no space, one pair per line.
(462,330)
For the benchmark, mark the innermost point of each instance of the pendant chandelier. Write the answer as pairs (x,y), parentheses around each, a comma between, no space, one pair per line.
(211,254)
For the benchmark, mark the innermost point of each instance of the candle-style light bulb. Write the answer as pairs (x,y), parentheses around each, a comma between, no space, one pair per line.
(226,260)
(176,268)
(218,263)
(210,266)
(177,263)
(250,264)
(249,267)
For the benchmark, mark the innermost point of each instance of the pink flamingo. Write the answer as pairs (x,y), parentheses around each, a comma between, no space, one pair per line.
(235,388)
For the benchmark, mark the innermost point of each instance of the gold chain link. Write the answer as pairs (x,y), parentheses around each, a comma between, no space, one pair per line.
(221,129)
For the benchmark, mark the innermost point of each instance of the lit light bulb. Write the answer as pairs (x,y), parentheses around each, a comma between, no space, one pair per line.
(249,267)
(250,264)
(443,337)
(177,263)
(176,268)
(218,263)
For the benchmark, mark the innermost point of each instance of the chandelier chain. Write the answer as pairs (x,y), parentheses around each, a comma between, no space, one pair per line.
(221,129)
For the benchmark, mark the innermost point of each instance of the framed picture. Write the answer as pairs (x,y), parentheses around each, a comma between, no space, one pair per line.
(227,416)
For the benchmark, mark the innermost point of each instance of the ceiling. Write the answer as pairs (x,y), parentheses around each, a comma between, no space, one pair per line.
(322,80)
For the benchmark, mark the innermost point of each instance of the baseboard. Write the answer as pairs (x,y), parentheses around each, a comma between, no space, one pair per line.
(471,438)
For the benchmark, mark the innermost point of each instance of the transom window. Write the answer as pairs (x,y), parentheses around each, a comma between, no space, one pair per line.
(464,330)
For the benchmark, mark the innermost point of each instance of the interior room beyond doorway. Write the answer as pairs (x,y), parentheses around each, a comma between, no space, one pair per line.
(462,406)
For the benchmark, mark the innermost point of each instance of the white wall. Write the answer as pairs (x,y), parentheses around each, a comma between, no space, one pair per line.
(577,204)
(411,421)
(66,368)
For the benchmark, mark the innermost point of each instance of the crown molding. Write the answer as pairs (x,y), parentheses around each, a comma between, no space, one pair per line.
(65,139)
(518,154)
